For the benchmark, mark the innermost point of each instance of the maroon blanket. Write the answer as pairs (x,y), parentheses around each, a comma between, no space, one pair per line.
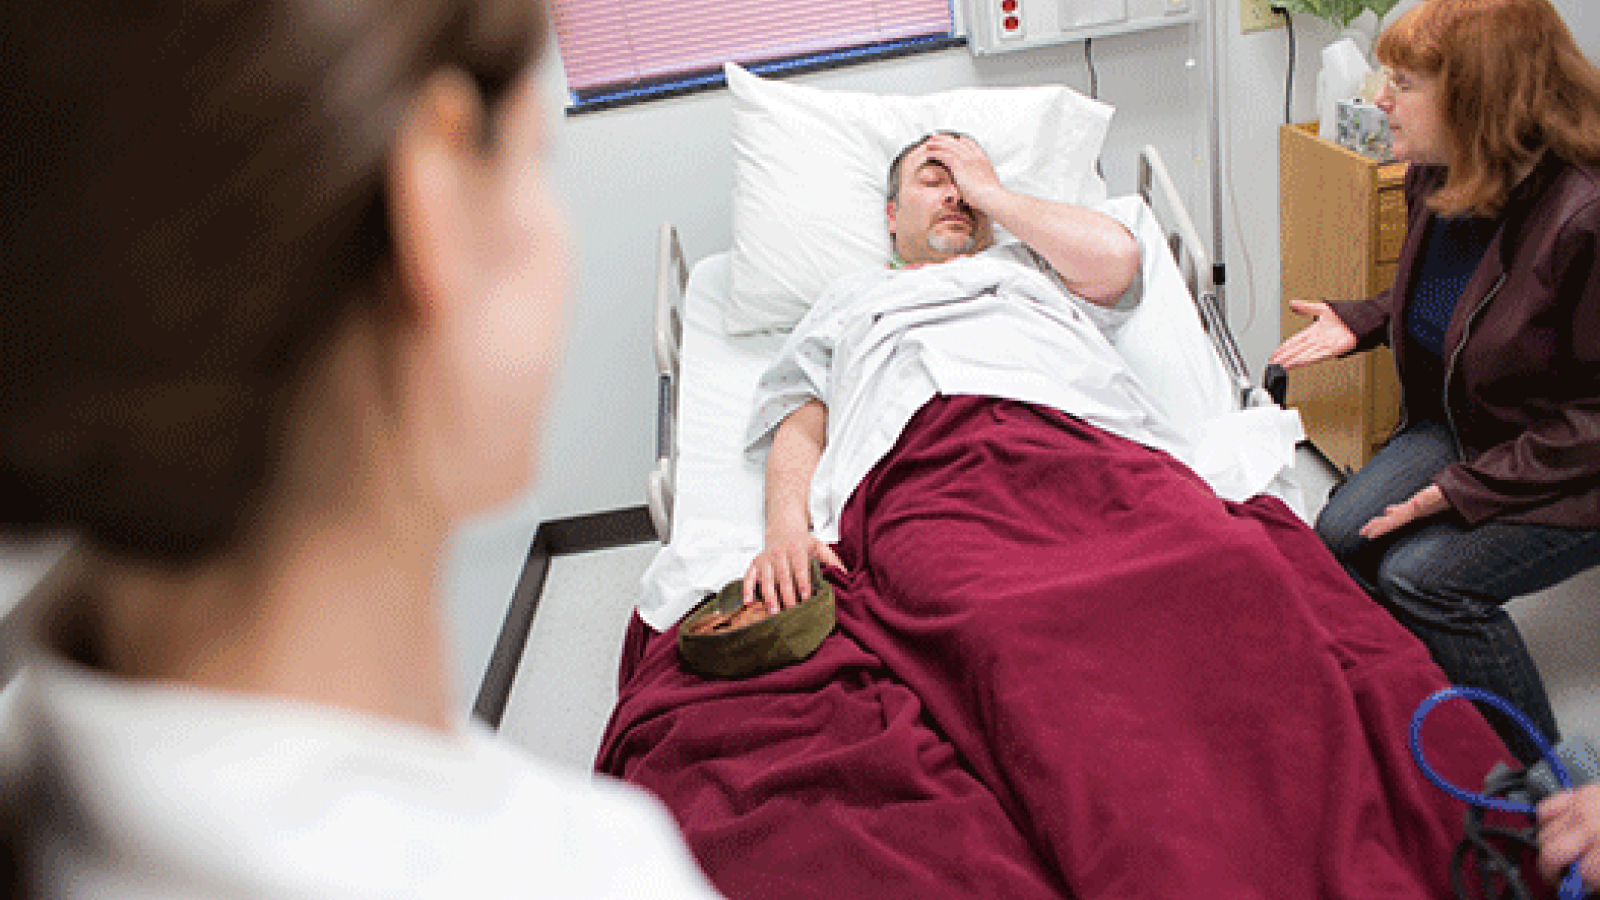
(1063,668)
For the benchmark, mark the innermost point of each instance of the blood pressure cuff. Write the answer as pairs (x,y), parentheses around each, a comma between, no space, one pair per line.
(724,638)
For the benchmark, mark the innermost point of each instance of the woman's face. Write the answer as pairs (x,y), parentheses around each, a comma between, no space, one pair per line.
(1416,118)
(505,342)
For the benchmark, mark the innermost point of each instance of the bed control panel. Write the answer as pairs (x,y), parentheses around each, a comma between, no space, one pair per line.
(1002,26)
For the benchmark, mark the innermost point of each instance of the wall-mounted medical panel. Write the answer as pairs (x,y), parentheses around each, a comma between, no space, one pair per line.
(1002,26)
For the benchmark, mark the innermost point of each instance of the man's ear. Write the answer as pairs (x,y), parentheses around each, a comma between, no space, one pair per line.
(889,209)
(431,178)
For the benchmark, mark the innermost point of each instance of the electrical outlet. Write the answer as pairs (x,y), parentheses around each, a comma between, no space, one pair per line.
(1257,15)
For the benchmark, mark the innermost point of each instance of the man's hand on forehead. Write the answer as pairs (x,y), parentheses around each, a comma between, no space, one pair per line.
(967,164)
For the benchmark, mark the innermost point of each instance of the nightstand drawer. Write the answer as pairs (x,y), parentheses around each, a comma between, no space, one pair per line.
(1382,278)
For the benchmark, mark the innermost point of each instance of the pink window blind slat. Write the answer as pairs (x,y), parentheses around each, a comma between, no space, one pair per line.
(612,42)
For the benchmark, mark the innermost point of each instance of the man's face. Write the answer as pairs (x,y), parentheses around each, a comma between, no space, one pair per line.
(929,221)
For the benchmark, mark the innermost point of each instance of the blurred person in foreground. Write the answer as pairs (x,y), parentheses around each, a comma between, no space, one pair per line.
(283,300)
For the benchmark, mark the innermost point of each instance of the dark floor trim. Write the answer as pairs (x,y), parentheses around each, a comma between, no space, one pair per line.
(559,537)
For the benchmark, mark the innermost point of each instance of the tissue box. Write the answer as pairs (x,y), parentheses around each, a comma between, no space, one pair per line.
(1362,127)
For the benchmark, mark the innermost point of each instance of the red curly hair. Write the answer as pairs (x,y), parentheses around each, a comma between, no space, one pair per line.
(1513,84)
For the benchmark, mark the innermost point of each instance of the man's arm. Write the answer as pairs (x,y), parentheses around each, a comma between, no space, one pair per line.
(1096,257)
(783,568)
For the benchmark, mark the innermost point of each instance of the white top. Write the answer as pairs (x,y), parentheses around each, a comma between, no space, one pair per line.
(880,344)
(179,792)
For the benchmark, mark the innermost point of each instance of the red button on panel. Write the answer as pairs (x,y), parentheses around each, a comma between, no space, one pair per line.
(1012,23)
(1009,6)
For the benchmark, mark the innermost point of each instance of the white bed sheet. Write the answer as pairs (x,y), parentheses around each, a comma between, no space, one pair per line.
(717,519)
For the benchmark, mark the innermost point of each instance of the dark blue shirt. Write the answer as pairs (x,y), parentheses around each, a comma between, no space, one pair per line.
(1450,254)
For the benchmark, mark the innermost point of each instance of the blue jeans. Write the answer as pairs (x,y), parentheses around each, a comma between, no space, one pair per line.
(1447,582)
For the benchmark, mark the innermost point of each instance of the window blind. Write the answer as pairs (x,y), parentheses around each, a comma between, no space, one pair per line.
(611,45)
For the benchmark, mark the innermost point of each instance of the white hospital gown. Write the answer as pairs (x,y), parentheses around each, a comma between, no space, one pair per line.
(880,344)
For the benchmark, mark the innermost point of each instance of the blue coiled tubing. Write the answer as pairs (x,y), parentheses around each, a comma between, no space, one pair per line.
(1572,885)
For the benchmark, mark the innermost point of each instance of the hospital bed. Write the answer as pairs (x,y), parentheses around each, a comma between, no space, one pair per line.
(705,492)
(792,145)
(1196,350)
(1121,683)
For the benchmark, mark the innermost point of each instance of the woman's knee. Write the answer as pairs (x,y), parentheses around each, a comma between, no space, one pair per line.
(1404,466)
(1412,584)
(1339,526)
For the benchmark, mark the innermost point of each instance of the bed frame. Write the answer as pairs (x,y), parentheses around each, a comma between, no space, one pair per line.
(1154,185)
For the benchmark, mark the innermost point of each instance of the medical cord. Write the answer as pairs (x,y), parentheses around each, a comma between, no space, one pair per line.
(1094,88)
(1094,77)
(1481,840)
(1571,886)
(1288,82)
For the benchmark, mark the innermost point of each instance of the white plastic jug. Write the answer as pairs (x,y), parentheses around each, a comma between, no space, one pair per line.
(1344,68)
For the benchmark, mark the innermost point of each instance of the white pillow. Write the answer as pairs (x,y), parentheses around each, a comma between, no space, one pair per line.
(810,169)
(1164,341)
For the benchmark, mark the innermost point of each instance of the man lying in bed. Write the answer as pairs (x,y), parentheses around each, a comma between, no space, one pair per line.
(1063,666)
(1023,304)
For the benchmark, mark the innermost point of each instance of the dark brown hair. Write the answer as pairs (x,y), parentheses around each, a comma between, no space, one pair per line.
(1513,83)
(194,201)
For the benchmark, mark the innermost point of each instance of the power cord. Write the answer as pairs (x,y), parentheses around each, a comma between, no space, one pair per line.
(1094,77)
(1288,86)
(1094,88)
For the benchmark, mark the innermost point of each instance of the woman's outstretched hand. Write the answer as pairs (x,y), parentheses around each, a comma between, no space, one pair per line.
(1326,337)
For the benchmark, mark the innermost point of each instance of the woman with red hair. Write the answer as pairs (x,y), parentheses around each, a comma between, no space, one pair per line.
(1490,487)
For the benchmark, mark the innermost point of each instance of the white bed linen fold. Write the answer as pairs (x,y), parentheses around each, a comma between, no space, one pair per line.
(878,345)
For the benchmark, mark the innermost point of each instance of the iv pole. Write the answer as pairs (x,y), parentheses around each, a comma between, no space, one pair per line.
(1219,266)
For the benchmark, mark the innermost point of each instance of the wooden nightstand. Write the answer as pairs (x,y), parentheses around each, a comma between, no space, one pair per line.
(1343,221)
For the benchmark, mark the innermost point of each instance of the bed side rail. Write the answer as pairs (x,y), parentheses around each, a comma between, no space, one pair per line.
(1156,187)
(672,276)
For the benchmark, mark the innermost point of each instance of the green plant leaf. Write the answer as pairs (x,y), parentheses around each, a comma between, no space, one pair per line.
(1339,12)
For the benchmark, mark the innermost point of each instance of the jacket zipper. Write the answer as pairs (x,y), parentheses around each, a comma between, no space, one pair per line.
(1466,331)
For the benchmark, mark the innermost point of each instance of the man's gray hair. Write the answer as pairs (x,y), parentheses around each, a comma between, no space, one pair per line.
(900,158)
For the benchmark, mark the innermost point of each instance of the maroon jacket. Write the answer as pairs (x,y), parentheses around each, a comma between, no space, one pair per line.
(1522,350)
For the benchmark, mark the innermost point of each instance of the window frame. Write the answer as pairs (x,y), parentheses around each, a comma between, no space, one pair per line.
(692,81)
